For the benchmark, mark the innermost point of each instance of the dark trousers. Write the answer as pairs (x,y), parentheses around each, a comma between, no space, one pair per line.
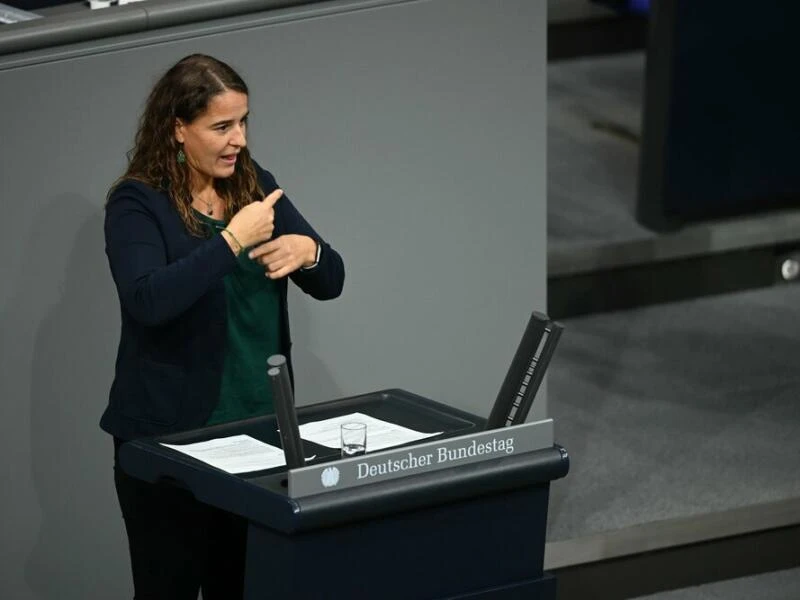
(178,545)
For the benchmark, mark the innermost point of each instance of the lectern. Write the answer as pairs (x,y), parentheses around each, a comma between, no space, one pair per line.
(459,515)
(462,514)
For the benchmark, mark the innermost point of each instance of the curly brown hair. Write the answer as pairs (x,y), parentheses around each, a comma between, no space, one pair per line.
(184,92)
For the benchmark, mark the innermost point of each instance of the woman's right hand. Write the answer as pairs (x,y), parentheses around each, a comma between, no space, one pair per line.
(255,222)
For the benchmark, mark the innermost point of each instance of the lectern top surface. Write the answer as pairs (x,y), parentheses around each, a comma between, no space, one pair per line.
(262,496)
(150,460)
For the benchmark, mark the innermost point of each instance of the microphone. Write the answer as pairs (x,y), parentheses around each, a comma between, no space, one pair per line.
(526,372)
(283,398)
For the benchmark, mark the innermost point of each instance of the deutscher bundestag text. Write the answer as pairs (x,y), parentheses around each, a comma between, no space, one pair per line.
(440,455)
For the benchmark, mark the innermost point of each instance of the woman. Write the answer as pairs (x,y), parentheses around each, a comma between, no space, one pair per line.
(200,241)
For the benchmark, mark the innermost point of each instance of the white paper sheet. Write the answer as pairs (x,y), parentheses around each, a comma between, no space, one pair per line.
(380,434)
(234,454)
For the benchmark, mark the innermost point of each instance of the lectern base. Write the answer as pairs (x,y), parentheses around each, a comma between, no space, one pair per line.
(543,588)
(481,548)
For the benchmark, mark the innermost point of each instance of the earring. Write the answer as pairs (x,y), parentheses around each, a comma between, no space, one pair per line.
(181,156)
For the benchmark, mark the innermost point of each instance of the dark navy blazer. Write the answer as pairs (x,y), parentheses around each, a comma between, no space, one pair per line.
(172,299)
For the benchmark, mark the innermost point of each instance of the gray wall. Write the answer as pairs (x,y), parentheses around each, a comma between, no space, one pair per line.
(411,134)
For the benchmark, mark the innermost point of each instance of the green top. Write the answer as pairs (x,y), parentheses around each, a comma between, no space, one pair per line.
(253,307)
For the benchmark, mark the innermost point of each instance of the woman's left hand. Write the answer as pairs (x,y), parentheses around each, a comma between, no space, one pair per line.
(285,254)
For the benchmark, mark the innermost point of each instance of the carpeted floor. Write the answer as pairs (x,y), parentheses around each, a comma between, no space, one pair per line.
(594,113)
(676,410)
(672,410)
(669,410)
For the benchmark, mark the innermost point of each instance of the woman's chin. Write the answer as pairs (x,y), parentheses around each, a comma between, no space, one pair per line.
(224,172)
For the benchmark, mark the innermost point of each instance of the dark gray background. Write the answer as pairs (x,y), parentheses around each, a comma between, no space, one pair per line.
(411,134)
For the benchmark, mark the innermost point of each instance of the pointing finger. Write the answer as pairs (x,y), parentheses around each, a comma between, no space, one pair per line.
(273,197)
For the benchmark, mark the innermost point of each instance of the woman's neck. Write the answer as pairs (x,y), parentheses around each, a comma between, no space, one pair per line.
(200,186)
(206,200)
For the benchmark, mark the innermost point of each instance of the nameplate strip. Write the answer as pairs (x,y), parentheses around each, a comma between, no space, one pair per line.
(420,458)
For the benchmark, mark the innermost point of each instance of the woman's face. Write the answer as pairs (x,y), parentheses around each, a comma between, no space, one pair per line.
(213,140)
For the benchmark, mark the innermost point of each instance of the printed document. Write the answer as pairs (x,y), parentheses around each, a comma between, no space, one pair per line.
(234,454)
(380,434)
